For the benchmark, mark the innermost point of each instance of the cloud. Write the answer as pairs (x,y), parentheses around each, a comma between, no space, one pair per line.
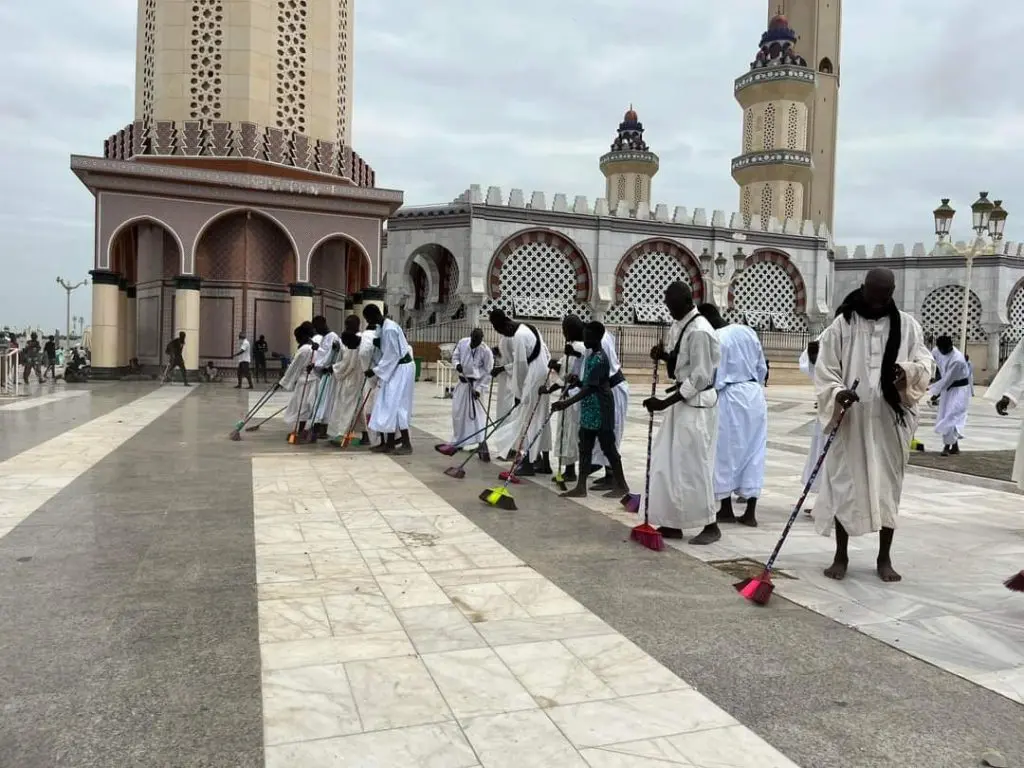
(528,95)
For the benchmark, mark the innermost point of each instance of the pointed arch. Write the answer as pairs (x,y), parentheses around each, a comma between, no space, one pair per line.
(651,248)
(776,261)
(144,219)
(547,239)
(825,66)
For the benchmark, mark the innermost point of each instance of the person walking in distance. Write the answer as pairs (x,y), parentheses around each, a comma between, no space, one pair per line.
(951,393)
(244,355)
(50,354)
(176,358)
(33,352)
(260,350)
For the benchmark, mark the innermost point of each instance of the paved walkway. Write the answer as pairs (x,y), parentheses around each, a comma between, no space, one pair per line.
(170,598)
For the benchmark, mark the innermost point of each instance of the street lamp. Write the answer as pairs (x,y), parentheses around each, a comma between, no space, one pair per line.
(717,278)
(68,288)
(987,218)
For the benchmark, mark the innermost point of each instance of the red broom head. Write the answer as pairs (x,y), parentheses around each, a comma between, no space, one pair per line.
(508,474)
(758,590)
(1016,583)
(446,449)
(648,536)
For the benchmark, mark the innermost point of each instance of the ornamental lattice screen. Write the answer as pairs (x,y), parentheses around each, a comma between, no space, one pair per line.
(644,283)
(537,279)
(764,295)
(941,313)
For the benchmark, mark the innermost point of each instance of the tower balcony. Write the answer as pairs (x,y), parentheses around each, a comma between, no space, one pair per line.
(787,82)
(772,165)
(627,160)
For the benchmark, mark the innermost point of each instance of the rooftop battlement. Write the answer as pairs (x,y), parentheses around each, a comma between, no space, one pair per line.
(919,251)
(580,206)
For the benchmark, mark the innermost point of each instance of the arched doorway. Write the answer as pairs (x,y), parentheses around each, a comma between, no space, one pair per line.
(245,260)
(434,273)
(769,294)
(643,274)
(338,268)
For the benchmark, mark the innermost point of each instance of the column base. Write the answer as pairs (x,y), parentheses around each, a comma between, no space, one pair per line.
(107,374)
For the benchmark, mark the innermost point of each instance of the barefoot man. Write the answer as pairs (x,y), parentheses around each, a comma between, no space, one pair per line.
(952,393)
(392,411)
(683,455)
(873,341)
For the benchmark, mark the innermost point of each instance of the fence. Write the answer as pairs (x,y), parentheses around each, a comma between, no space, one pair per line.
(9,381)
(633,342)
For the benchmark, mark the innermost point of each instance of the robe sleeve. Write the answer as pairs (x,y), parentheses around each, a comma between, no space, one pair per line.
(1016,390)
(342,363)
(486,365)
(828,371)
(520,367)
(702,369)
(390,354)
(919,365)
(296,368)
(805,364)
(457,355)
(955,369)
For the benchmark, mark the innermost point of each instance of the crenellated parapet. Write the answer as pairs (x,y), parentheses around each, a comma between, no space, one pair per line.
(901,251)
(580,205)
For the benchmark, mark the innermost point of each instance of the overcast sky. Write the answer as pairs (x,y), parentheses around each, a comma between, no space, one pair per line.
(528,94)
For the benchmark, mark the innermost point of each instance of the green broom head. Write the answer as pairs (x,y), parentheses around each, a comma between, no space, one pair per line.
(498,497)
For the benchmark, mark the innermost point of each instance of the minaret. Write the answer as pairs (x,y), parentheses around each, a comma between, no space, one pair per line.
(775,170)
(818,24)
(629,167)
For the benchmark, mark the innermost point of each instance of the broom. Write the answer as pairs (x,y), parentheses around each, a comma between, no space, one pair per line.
(235,433)
(558,479)
(450,449)
(346,440)
(759,590)
(482,451)
(459,472)
(1015,583)
(275,414)
(510,474)
(500,496)
(293,436)
(321,394)
(631,501)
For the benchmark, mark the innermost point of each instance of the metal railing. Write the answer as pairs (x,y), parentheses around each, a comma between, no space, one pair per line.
(10,383)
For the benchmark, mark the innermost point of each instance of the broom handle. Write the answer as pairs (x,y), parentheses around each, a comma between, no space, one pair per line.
(518,463)
(650,438)
(271,416)
(360,405)
(263,400)
(298,411)
(494,428)
(810,482)
(525,430)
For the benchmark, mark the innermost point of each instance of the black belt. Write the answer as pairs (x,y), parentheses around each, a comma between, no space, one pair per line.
(959,383)
(617,379)
(467,380)
(748,381)
(405,360)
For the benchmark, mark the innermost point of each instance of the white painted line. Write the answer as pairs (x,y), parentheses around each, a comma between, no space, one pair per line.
(35,402)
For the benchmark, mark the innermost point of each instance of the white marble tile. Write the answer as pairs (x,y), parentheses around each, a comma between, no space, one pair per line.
(410,590)
(435,628)
(396,692)
(599,723)
(1009,682)
(302,618)
(622,665)
(455,578)
(307,703)
(552,674)
(332,531)
(476,682)
(520,740)
(442,558)
(359,614)
(373,538)
(510,631)
(427,746)
(277,568)
(338,565)
(728,747)
(318,588)
(486,602)
(541,598)
(390,562)
(335,650)
(277,532)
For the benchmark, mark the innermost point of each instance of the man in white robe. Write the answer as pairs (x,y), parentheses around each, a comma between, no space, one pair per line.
(565,438)
(473,362)
(807,360)
(327,385)
(396,375)
(346,421)
(873,342)
(299,380)
(742,418)
(530,359)
(1006,391)
(368,354)
(682,492)
(952,394)
(503,439)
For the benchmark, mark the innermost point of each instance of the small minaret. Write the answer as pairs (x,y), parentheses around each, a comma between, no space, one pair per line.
(629,167)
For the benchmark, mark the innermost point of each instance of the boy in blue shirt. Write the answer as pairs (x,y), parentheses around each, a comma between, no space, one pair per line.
(597,415)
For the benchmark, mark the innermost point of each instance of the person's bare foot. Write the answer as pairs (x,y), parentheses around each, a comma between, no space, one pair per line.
(837,570)
(887,573)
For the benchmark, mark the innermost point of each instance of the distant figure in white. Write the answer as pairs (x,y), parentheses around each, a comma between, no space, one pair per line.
(473,362)
(807,360)
(530,359)
(1006,391)
(742,417)
(396,377)
(952,393)
(298,380)
(368,355)
(570,370)
(873,342)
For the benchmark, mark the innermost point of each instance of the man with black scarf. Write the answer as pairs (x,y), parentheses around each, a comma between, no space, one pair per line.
(872,341)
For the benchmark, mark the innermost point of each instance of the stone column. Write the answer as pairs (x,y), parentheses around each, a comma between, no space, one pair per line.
(105,332)
(132,323)
(995,335)
(186,317)
(122,323)
(473,305)
(301,305)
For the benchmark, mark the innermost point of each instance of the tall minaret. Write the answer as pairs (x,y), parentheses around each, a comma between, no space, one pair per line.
(630,165)
(818,24)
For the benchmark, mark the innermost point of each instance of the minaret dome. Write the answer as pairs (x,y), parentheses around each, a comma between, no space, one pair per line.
(630,165)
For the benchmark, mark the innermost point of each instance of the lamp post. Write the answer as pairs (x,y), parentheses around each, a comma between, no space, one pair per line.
(714,269)
(69,288)
(987,218)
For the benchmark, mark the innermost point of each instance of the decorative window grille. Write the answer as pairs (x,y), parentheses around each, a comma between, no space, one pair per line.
(764,295)
(793,128)
(941,313)
(206,60)
(769,127)
(292,28)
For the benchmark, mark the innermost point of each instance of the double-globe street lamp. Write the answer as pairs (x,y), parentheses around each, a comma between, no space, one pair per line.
(987,218)
(717,278)
(69,288)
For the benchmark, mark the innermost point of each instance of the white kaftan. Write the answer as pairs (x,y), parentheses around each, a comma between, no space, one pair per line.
(323,360)
(368,355)
(301,385)
(817,441)
(1009,383)
(504,438)
(954,392)
(527,378)
(566,435)
(393,408)
(468,417)
(863,473)
(620,395)
(683,455)
(742,414)
(352,385)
